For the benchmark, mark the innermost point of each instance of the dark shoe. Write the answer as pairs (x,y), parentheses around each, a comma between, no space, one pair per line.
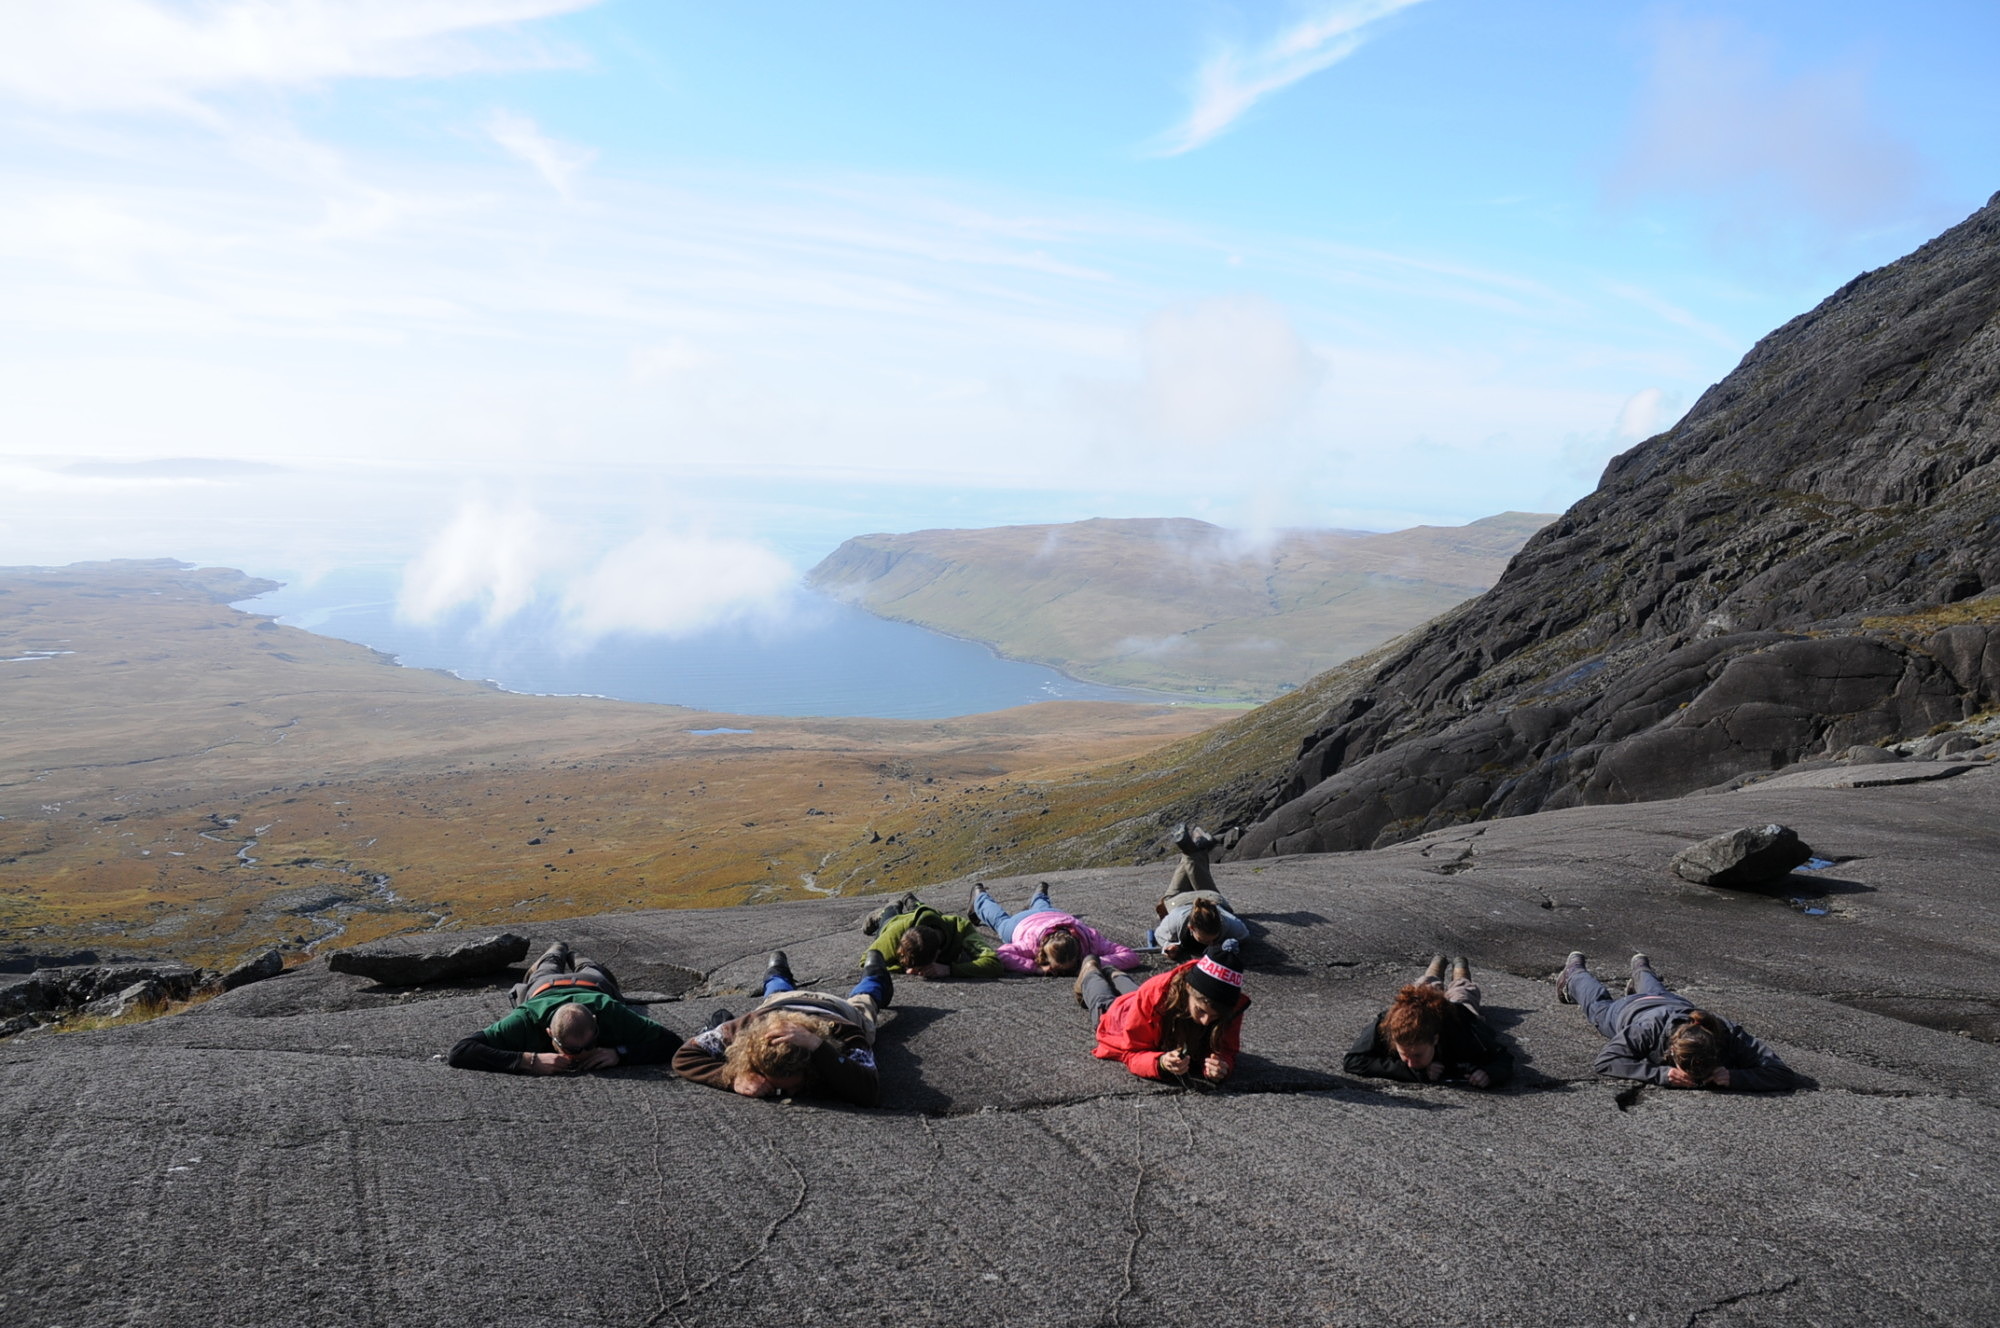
(1573,964)
(1460,970)
(778,966)
(1042,891)
(1639,963)
(717,1018)
(1083,970)
(1436,969)
(873,965)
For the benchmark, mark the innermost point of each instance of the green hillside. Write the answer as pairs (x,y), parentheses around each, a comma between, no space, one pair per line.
(1175,604)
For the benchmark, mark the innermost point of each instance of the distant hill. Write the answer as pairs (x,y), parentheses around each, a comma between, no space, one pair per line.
(1175,604)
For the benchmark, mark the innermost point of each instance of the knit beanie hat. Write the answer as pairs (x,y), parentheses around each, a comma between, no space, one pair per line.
(1218,975)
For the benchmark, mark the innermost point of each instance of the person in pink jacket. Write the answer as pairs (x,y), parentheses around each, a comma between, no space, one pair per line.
(1043,939)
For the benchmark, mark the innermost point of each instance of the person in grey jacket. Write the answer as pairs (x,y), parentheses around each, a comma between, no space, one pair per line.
(1660,1038)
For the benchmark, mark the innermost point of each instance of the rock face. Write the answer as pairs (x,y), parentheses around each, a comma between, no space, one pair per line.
(1805,563)
(254,968)
(294,1151)
(393,967)
(98,989)
(1749,856)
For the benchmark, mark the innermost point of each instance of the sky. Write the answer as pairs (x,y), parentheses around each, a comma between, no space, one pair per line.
(642,306)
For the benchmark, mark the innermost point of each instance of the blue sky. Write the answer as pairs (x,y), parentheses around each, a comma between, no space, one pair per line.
(647,304)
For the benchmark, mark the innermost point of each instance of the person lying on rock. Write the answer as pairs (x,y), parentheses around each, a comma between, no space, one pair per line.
(1186,1022)
(796,1042)
(1660,1038)
(568,1018)
(1193,920)
(1043,939)
(935,945)
(1433,1032)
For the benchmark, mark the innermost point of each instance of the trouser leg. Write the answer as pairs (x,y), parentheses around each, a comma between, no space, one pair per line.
(1101,988)
(1465,992)
(1645,982)
(870,1008)
(554,963)
(1594,1000)
(988,910)
(777,982)
(873,989)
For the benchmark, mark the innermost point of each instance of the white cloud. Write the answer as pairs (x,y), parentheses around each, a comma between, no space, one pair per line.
(1231,81)
(492,557)
(1642,416)
(1216,372)
(665,583)
(1718,122)
(555,162)
(129,55)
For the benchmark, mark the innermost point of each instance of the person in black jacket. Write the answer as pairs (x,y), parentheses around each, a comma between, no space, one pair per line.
(1433,1032)
(1658,1037)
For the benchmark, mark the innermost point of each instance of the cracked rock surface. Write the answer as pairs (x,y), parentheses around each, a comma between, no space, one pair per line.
(291,1153)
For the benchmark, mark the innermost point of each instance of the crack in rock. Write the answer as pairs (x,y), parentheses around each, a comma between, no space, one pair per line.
(1727,1301)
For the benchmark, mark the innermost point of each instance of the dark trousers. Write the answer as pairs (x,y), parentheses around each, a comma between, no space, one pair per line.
(558,963)
(1606,1015)
(1101,987)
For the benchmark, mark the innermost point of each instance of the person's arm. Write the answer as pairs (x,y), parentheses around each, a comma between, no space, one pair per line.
(1479,1050)
(1620,1060)
(978,957)
(847,1071)
(1754,1067)
(1016,957)
(1228,1042)
(1107,950)
(635,1039)
(700,1060)
(1371,1058)
(500,1047)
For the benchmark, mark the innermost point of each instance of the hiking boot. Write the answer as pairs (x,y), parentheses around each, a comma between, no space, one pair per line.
(777,966)
(873,965)
(1084,970)
(717,1018)
(1460,970)
(1436,969)
(1640,962)
(1573,964)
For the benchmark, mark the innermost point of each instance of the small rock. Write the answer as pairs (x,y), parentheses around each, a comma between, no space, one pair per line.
(411,969)
(255,969)
(1742,857)
(1864,754)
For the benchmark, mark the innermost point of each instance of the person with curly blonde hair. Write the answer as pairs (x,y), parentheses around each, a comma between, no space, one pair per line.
(796,1042)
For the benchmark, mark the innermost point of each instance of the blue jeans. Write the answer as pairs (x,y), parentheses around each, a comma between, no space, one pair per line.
(1003,922)
(1603,1012)
(870,986)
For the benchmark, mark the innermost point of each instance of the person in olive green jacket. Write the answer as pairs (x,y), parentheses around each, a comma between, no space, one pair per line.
(928,944)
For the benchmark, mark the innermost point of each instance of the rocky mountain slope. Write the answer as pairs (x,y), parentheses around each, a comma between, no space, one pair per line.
(1178,604)
(293,1152)
(1806,563)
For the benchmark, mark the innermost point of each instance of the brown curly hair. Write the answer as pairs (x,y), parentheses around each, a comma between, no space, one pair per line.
(918,946)
(755,1047)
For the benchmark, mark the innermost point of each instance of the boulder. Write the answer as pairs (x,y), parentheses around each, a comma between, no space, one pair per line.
(404,968)
(254,969)
(148,991)
(1749,856)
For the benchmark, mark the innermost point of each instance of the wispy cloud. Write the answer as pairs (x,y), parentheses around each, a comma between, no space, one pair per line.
(555,162)
(1720,123)
(1232,80)
(148,55)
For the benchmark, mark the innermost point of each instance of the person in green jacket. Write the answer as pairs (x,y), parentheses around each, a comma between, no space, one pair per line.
(568,1018)
(928,944)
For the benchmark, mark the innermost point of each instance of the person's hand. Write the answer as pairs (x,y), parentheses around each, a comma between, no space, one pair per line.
(1719,1076)
(1174,1062)
(1679,1078)
(1215,1069)
(793,1035)
(1434,1071)
(597,1058)
(544,1062)
(1479,1079)
(931,972)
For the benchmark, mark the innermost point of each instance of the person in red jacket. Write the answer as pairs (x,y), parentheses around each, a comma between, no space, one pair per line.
(1185,1022)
